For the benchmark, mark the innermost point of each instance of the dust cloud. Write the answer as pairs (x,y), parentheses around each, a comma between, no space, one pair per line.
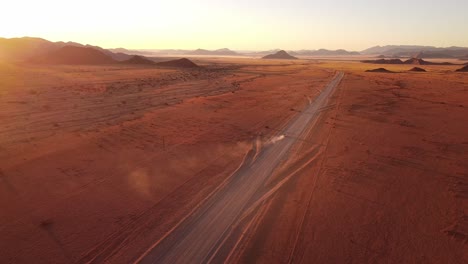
(139,180)
(276,139)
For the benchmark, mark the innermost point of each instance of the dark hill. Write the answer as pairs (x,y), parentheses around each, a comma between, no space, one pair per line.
(74,55)
(416,61)
(384,61)
(380,70)
(417,69)
(464,69)
(280,55)
(180,63)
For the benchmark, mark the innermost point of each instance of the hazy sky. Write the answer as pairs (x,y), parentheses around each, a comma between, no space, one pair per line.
(240,24)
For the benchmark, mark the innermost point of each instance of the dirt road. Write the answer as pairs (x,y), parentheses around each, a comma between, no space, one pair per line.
(198,237)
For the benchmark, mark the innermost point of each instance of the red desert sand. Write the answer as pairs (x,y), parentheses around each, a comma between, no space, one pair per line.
(101,164)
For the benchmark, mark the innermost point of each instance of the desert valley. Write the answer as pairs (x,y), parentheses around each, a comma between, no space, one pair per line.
(121,156)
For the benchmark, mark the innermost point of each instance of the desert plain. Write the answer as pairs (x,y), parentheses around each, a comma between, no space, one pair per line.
(105,164)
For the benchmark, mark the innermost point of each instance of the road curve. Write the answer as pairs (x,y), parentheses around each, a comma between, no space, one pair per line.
(197,238)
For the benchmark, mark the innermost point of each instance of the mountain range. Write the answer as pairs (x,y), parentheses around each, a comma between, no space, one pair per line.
(324,52)
(382,51)
(417,51)
(41,51)
(25,48)
(84,55)
(18,49)
(412,61)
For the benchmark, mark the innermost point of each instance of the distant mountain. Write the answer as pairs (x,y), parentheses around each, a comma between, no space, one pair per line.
(381,57)
(219,52)
(320,52)
(117,56)
(416,61)
(387,50)
(325,52)
(160,52)
(120,56)
(412,61)
(122,50)
(281,55)
(417,51)
(377,50)
(261,53)
(181,52)
(180,63)
(228,52)
(23,48)
(20,49)
(74,55)
(291,52)
(129,52)
(439,53)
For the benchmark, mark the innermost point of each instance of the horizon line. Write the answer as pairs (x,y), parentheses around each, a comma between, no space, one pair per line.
(235,49)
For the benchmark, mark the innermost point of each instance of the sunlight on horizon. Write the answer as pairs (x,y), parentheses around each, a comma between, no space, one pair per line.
(238,25)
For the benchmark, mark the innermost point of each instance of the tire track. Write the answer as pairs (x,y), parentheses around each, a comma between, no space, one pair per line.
(196,239)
